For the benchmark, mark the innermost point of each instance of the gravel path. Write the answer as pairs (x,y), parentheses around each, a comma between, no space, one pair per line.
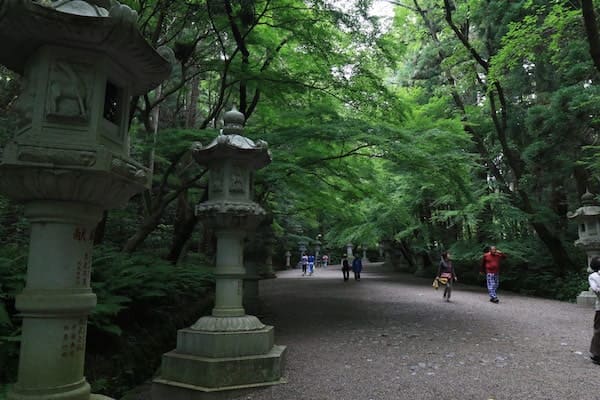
(391,336)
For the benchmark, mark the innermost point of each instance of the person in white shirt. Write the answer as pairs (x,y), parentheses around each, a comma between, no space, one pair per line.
(594,280)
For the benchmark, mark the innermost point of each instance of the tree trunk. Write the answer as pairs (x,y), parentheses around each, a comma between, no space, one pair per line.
(181,237)
(591,29)
(185,222)
(192,106)
(146,228)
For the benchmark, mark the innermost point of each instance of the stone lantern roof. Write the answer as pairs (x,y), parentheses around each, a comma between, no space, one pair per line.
(231,144)
(589,208)
(27,25)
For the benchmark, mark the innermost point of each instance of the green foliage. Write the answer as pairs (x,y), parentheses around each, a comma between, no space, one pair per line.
(12,278)
(125,282)
(142,301)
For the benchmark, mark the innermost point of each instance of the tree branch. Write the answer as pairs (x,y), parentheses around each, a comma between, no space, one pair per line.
(591,29)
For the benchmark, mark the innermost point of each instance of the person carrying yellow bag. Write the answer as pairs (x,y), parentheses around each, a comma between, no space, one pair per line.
(445,275)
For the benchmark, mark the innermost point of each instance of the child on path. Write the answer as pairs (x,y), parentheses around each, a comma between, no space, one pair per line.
(446,274)
(594,280)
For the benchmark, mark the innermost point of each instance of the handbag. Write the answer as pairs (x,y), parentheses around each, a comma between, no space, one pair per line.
(435,284)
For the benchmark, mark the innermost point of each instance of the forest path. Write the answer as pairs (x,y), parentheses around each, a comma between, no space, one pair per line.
(391,336)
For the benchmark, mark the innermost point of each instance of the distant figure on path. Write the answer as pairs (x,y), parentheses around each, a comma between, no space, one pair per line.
(311,264)
(345,268)
(490,265)
(594,280)
(325,259)
(304,260)
(446,274)
(357,267)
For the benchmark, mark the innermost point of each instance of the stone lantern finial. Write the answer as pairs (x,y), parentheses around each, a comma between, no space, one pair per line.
(233,122)
(588,199)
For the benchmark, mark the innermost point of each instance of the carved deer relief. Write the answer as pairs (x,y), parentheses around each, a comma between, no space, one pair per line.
(67,92)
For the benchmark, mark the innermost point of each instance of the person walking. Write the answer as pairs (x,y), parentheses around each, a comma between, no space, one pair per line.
(304,260)
(490,265)
(356,268)
(325,259)
(345,268)
(311,264)
(446,275)
(594,281)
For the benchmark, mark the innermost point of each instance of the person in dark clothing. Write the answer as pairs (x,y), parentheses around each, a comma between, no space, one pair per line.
(357,267)
(446,274)
(490,265)
(594,281)
(345,267)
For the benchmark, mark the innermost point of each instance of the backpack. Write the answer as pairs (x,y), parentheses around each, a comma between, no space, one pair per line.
(345,264)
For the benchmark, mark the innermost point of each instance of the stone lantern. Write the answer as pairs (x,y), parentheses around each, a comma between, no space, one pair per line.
(288,255)
(588,218)
(228,350)
(302,248)
(318,250)
(349,247)
(68,161)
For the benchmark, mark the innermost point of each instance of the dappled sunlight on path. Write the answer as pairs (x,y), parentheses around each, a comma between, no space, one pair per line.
(391,336)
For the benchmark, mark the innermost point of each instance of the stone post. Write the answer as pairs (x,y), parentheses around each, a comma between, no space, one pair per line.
(267,271)
(68,161)
(288,255)
(228,350)
(380,247)
(588,218)
(317,251)
(349,247)
(364,253)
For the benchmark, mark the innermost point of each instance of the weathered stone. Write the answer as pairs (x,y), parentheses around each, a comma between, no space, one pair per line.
(588,218)
(227,350)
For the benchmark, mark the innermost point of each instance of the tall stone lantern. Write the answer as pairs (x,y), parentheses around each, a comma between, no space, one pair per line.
(229,349)
(302,247)
(349,248)
(318,250)
(68,161)
(288,256)
(588,219)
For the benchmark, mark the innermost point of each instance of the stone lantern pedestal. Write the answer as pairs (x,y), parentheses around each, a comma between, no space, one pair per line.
(69,160)
(228,350)
(588,218)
